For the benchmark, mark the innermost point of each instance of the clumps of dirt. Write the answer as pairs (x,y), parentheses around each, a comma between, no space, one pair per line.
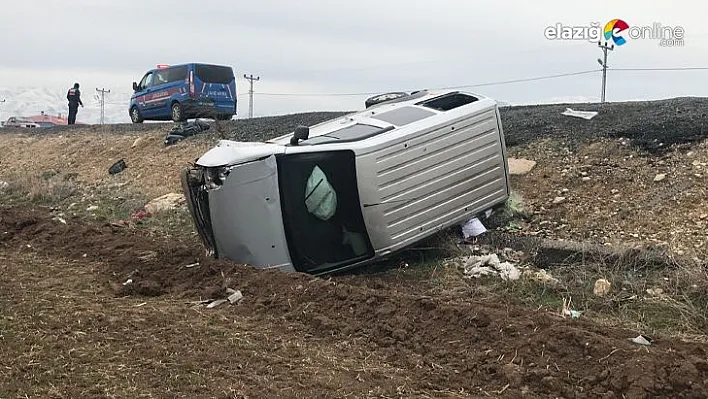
(151,265)
(652,126)
(447,344)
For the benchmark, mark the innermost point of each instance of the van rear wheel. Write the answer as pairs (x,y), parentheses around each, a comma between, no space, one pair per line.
(177,112)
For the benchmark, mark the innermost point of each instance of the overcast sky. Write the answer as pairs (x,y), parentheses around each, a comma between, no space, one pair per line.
(317,46)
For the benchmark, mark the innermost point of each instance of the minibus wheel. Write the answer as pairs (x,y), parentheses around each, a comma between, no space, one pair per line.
(177,115)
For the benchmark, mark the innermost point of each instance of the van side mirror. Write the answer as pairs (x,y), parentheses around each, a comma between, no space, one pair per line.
(135,86)
(301,133)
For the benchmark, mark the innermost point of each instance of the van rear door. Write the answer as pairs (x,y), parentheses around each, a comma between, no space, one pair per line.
(215,85)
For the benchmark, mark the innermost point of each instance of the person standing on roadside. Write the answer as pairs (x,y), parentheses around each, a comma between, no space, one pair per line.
(74,98)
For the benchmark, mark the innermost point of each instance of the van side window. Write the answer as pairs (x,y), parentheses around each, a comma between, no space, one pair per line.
(448,101)
(146,82)
(176,74)
(161,77)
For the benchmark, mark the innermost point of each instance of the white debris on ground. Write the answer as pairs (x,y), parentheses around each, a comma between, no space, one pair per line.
(580,114)
(473,228)
(485,265)
(505,265)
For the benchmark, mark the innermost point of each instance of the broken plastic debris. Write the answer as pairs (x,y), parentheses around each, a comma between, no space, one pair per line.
(473,228)
(235,297)
(117,167)
(128,281)
(216,303)
(580,114)
(641,340)
(192,265)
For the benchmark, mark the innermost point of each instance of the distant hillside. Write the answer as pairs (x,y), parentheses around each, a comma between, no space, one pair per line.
(32,101)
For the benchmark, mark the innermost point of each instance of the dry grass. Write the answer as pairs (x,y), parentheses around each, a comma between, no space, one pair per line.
(152,168)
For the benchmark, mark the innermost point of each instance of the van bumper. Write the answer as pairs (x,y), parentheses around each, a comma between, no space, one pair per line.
(207,109)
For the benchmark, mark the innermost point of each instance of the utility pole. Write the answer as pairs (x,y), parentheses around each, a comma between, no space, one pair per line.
(603,63)
(1,102)
(103,102)
(251,79)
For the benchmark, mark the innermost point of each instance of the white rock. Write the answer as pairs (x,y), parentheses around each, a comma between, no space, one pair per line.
(165,202)
(660,177)
(558,200)
(520,166)
(602,287)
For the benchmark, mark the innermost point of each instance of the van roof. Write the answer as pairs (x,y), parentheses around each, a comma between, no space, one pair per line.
(386,116)
(192,63)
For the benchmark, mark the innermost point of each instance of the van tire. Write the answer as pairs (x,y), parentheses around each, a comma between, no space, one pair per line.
(177,112)
(385,97)
(135,115)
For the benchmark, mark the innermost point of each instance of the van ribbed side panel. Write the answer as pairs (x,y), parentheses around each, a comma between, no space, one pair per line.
(440,175)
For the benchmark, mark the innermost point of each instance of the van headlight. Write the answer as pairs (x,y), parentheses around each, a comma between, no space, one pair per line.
(214,178)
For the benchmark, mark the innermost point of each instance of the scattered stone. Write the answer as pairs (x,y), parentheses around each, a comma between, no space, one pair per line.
(540,276)
(660,177)
(165,203)
(92,208)
(602,287)
(520,166)
(558,200)
(586,178)
(655,291)
(641,340)
(136,142)
(4,185)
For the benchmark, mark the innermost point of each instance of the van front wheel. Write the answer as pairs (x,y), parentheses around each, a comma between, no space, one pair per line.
(135,115)
(177,113)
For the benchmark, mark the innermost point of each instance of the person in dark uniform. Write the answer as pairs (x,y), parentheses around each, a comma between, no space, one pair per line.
(74,97)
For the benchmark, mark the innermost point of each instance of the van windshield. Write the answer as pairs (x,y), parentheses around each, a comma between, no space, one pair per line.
(214,74)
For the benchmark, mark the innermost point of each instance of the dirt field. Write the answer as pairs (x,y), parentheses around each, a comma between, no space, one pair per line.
(90,309)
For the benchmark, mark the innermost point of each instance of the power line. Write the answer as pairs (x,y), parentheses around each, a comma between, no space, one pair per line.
(662,69)
(251,79)
(438,88)
(103,103)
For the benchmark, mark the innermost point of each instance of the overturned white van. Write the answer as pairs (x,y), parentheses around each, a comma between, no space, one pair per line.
(352,190)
